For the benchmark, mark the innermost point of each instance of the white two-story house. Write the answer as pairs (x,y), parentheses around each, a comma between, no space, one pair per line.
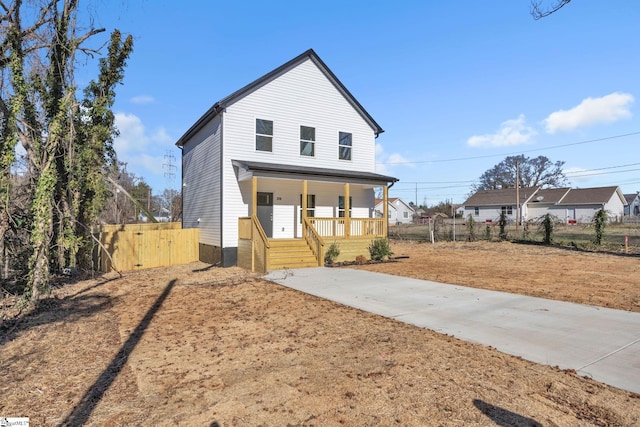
(277,171)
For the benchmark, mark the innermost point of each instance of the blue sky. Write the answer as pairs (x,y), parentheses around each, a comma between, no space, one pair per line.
(457,85)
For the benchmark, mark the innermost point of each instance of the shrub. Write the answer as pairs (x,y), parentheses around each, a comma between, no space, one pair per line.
(361,260)
(547,229)
(487,232)
(379,249)
(332,253)
(502,223)
(471,228)
(525,230)
(599,223)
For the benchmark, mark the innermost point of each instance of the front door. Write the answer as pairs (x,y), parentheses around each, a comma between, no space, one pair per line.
(265,212)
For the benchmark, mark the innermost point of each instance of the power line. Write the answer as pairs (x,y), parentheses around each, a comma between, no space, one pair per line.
(511,153)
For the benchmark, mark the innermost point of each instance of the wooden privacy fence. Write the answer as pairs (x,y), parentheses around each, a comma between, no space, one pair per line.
(137,246)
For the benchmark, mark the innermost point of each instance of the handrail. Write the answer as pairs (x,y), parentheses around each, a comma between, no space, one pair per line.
(314,240)
(258,226)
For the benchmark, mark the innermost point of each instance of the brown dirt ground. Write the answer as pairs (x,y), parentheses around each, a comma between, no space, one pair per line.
(199,346)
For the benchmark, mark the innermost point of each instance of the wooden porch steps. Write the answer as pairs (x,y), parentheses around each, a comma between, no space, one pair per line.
(290,253)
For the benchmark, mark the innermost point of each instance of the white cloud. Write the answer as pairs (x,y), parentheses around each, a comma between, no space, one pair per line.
(386,162)
(511,132)
(591,111)
(143,150)
(142,99)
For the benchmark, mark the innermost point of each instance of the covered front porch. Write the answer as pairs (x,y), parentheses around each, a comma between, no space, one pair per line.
(295,215)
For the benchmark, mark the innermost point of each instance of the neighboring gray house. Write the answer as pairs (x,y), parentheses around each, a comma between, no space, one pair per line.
(292,155)
(633,204)
(399,212)
(487,205)
(566,204)
(580,205)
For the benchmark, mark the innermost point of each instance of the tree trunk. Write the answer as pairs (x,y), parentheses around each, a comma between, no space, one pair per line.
(42,233)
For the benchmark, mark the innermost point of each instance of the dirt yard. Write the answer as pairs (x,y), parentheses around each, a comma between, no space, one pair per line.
(201,346)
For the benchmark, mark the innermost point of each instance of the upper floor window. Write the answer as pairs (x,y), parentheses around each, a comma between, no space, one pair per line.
(264,135)
(341,206)
(344,146)
(307,141)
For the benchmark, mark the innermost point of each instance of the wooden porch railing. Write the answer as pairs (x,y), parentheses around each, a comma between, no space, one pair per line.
(253,254)
(359,227)
(315,242)
(254,246)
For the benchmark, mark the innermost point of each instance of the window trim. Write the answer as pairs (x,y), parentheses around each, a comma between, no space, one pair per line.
(508,210)
(342,146)
(311,206)
(476,211)
(308,141)
(341,210)
(263,135)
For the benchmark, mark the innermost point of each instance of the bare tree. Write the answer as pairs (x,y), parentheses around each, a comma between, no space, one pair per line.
(538,11)
(536,172)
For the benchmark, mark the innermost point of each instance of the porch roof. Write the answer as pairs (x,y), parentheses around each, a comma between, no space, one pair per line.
(272,170)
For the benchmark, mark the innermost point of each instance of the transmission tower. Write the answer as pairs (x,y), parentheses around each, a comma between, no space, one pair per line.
(169,167)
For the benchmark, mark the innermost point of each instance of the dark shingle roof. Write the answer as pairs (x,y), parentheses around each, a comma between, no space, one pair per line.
(549,195)
(317,173)
(256,84)
(501,197)
(630,197)
(588,196)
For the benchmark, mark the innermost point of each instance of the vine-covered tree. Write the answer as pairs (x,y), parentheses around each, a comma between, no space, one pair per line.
(533,172)
(68,142)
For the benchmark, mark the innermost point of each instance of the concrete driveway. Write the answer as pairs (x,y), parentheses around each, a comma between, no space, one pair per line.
(597,342)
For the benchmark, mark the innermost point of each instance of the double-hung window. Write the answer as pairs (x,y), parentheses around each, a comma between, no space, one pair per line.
(344,146)
(507,210)
(264,135)
(341,206)
(311,206)
(307,141)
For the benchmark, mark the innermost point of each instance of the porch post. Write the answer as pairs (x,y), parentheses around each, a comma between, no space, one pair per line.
(347,217)
(385,211)
(254,212)
(304,202)
(254,196)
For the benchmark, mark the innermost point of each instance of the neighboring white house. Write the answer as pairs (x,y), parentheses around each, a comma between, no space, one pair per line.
(633,204)
(296,130)
(399,212)
(566,204)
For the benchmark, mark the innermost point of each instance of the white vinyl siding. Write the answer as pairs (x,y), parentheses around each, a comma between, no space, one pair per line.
(303,95)
(201,191)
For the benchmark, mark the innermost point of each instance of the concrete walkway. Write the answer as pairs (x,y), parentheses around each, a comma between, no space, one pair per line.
(601,343)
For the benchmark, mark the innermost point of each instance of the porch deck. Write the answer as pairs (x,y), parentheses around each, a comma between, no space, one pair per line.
(258,253)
